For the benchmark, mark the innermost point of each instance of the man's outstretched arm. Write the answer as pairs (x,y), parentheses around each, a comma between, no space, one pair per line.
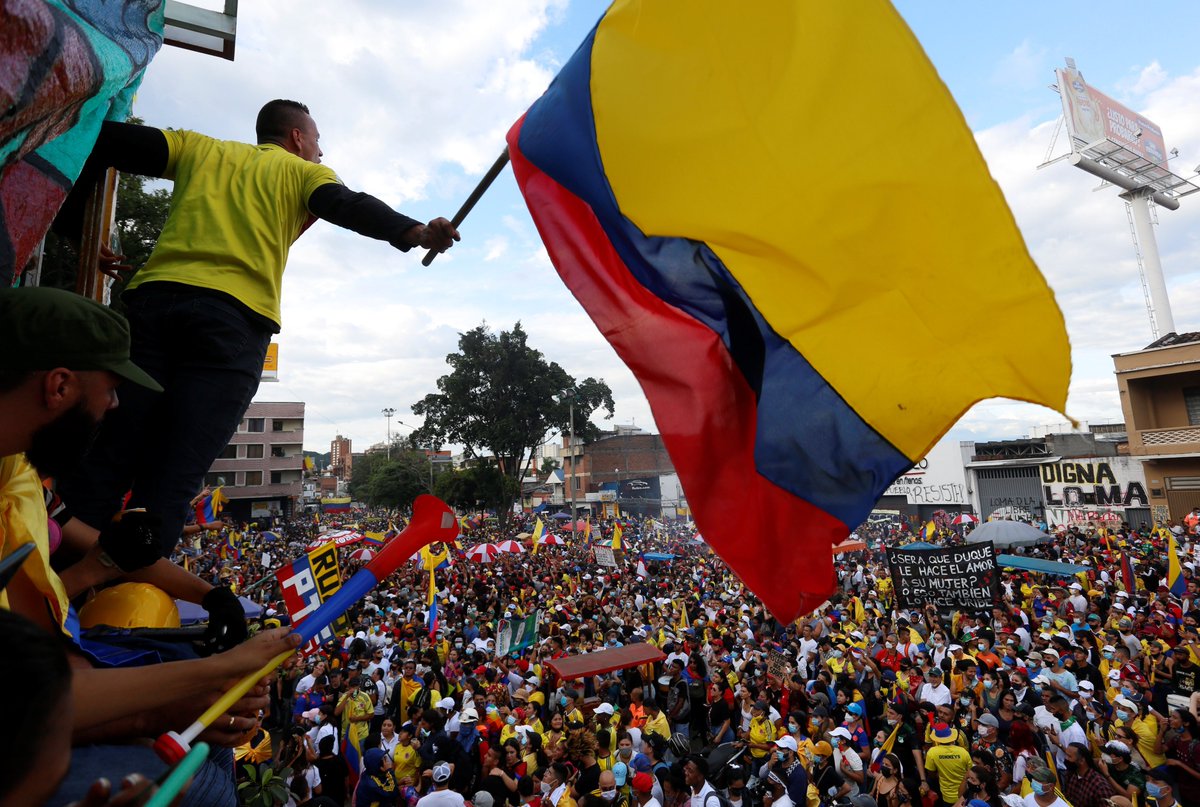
(366,215)
(129,148)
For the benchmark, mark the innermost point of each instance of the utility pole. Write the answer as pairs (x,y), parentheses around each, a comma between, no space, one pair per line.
(571,417)
(387,413)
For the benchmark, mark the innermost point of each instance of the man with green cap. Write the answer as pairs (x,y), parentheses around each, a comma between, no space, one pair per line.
(65,357)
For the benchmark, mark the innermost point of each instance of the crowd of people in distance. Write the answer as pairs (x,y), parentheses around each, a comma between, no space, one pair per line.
(1071,690)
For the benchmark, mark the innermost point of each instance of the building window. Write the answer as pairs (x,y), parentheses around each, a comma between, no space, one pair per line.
(253,478)
(214,480)
(229,452)
(1191,400)
(276,477)
(254,451)
(277,451)
(276,425)
(254,424)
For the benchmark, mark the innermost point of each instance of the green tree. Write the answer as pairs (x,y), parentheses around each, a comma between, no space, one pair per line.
(360,475)
(481,486)
(140,216)
(395,483)
(502,397)
(548,464)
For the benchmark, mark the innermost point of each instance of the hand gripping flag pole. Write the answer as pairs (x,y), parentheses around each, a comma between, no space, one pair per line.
(475,196)
(432,521)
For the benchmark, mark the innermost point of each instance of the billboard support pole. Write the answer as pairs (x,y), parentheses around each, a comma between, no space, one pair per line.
(1139,205)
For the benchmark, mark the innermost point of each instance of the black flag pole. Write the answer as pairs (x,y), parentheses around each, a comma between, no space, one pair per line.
(475,196)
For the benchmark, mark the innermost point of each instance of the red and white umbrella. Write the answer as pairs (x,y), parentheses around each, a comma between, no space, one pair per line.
(510,546)
(552,540)
(965,518)
(483,553)
(363,554)
(338,538)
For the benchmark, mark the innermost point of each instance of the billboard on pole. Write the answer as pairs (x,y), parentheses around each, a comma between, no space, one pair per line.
(1091,116)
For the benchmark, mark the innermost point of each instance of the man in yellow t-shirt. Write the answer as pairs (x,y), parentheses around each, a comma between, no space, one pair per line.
(203,309)
(948,761)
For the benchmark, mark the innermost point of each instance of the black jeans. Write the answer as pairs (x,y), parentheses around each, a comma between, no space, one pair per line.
(208,357)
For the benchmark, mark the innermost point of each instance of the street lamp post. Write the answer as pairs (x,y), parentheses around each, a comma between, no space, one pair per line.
(387,413)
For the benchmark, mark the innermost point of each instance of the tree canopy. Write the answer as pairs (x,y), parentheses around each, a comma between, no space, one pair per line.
(503,397)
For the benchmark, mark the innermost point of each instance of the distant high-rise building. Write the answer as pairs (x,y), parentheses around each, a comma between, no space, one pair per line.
(340,457)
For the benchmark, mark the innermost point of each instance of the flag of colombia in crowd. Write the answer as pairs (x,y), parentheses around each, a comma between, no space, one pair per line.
(761,212)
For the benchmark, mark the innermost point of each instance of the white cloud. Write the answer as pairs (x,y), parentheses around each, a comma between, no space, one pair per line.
(413,101)
(1022,66)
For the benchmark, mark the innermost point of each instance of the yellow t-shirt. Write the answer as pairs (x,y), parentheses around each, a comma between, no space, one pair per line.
(235,211)
(950,762)
(406,761)
(1146,731)
(23,520)
(762,731)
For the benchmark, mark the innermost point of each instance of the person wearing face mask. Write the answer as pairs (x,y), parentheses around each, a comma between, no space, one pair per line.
(847,760)
(1161,787)
(1127,713)
(826,780)
(1042,783)
(987,738)
(889,789)
(788,767)
(608,791)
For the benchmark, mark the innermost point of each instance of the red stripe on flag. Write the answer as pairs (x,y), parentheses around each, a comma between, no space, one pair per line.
(776,542)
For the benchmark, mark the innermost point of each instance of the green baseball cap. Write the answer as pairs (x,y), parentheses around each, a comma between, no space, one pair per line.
(41,329)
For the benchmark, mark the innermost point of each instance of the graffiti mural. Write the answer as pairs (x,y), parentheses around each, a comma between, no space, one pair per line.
(66,66)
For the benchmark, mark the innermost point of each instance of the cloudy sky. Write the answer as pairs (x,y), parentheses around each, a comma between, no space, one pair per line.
(413,100)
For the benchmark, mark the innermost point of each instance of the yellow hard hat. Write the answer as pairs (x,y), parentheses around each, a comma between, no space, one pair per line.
(130,605)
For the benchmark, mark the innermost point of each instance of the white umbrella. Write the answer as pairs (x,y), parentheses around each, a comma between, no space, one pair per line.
(552,540)
(483,553)
(362,554)
(510,546)
(965,518)
(1007,534)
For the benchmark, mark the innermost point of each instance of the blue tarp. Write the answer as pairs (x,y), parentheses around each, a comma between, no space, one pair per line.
(658,556)
(1038,565)
(541,508)
(190,613)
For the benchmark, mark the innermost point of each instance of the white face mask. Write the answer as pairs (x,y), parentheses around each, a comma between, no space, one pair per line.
(546,788)
(608,795)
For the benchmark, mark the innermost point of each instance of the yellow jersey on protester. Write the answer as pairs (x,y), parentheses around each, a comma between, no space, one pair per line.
(406,763)
(23,520)
(238,249)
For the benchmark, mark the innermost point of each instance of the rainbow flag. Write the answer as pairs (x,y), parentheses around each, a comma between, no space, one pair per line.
(678,170)
(209,508)
(1175,581)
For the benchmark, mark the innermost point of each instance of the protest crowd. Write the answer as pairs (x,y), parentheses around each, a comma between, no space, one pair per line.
(1071,690)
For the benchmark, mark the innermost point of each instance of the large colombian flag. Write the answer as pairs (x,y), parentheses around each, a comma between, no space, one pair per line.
(759,210)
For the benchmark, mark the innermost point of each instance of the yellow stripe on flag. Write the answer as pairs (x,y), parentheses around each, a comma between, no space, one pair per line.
(832,247)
